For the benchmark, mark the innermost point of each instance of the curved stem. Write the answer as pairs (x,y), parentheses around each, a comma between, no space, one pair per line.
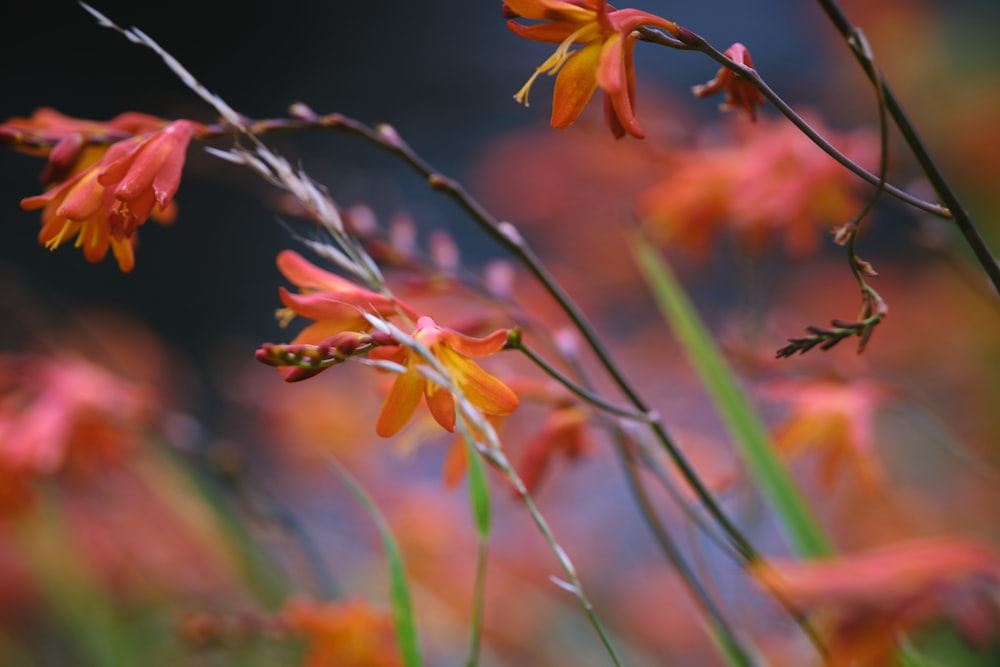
(516,343)
(698,43)
(676,559)
(930,168)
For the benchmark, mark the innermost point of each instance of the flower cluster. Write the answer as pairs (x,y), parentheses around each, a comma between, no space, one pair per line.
(342,329)
(769,181)
(106,179)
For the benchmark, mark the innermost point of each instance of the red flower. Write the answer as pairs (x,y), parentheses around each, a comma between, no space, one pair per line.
(605,61)
(739,93)
(104,203)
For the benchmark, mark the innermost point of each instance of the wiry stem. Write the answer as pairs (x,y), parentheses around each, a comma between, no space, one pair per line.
(695,42)
(930,168)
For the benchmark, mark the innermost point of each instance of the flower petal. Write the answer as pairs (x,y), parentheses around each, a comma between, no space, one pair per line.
(575,85)
(399,404)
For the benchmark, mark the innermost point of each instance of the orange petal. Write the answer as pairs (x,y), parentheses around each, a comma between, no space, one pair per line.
(442,406)
(399,404)
(482,389)
(575,85)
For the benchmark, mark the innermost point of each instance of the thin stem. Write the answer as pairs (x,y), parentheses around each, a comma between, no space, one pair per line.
(930,168)
(517,343)
(508,237)
(673,554)
(698,43)
(478,603)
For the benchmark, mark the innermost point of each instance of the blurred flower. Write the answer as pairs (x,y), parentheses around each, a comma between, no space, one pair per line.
(870,600)
(834,418)
(563,433)
(337,304)
(739,93)
(604,61)
(56,407)
(771,180)
(452,350)
(104,203)
(343,633)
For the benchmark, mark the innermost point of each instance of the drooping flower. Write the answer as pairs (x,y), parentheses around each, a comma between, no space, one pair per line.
(739,93)
(604,61)
(104,203)
(453,350)
(869,601)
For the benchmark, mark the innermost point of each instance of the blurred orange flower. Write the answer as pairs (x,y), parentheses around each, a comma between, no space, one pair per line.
(870,600)
(605,61)
(344,633)
(54,408)
(835,419)
(771,180)
(452,350)
(739,93)
(562,432)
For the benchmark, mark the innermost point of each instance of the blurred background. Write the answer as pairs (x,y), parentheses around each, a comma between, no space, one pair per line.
(898,443)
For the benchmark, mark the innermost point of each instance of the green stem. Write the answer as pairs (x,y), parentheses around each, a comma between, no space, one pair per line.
(741,421)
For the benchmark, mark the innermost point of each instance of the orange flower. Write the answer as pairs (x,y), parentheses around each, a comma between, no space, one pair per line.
(604,61)
(104,203)
(452,350)
(870,600)
(770,180)
(739,93)
(345,633)
(836,419)
(337,304)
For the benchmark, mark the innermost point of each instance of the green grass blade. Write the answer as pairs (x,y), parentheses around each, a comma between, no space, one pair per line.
(479,502)
(741,420)
(399,592)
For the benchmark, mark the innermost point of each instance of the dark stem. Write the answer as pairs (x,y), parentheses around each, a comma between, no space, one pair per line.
(940,184)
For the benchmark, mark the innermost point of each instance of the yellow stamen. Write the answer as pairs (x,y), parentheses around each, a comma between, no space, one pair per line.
(54,242)
(554,62)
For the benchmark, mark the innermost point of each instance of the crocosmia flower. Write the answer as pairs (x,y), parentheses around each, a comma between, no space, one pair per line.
(455,352)
(104,203)
(604,61)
